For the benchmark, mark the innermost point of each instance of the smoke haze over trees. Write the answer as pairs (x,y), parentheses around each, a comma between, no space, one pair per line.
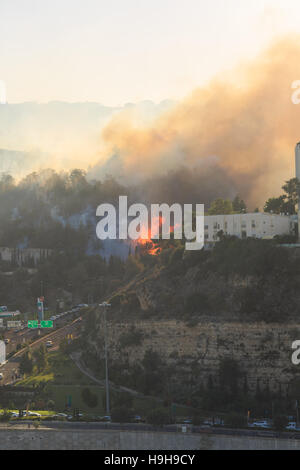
(233,136)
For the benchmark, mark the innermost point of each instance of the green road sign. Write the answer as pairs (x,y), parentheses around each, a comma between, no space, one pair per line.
(46,324)
(33,324)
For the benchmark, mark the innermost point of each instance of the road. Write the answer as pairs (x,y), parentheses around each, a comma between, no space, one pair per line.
(89,426)
(19,337)
(10,369)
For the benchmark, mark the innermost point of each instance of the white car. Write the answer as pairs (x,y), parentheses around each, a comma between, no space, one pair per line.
(208,422)
(260,424)
(292,426)
(33,413)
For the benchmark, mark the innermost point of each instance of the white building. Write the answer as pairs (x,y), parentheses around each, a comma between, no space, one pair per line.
(257,225)
(2,352)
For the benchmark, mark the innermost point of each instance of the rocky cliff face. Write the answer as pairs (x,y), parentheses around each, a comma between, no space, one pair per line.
(263,351)
(194,316)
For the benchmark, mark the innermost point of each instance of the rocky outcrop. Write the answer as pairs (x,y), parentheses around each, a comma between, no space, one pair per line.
(263,351)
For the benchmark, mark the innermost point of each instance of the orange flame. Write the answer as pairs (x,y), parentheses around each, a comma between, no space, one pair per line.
(149,245)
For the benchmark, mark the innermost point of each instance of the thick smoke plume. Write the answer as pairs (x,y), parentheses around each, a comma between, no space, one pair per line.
(235,135)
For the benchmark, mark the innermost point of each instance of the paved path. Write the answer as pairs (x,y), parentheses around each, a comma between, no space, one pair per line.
(76,357)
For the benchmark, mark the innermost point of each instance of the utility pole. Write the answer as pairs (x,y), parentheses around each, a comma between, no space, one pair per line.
(105,305)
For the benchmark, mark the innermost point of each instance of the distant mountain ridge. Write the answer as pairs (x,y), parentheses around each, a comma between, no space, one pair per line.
(15,162)
(58,134)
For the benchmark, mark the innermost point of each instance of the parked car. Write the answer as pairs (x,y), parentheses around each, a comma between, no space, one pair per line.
(292,426)
(1,376)
(49,344)
(106,419)
(138,419)
(208,422)
(33,413)
(260,424)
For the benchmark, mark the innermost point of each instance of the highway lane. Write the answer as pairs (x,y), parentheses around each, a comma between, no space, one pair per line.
(10,369)
(19,337)
(108,427)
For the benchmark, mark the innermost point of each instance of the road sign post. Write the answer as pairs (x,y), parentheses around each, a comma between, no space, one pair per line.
(105,305)
(40,307)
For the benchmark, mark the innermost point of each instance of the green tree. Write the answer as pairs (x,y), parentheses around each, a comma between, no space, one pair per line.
(275,205)
(220,206)
(287,202)
(152,360)
(122,400)
(132,267)
(41,358)
(121,414)
(50,405)
(26,363)
(292,190)
(229,374)
(89,398)
(77,179)
(197,302)
(158,417)
(236,420)
(6,183)
(280,422)
(5,416)
(239,205)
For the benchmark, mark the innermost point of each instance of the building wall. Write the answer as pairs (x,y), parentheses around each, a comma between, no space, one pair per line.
(24,255)
(257,225)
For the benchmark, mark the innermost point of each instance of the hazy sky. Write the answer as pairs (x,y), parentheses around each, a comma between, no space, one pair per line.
(118,51)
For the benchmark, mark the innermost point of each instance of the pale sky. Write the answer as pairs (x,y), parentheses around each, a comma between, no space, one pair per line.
(119,51)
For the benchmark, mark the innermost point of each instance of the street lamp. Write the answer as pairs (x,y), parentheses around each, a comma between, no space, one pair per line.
(105,305)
